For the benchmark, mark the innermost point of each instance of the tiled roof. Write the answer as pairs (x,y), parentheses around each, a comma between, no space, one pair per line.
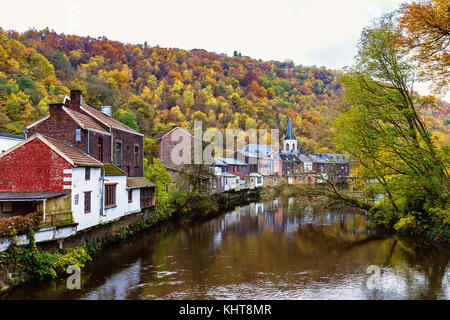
(258,148)
(74,155)
(138,182)
(227,174)
(305,158)
(112,170)
(335,157)
(287,156)
(86,121)
(106,120)
(232,161)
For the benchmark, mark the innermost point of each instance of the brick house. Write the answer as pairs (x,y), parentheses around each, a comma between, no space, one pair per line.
(235,167)
(290,163)
(67,185)
(94,132)
(176,148)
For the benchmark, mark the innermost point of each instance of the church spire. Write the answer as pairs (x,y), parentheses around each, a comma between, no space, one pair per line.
(290,141)
(290,131)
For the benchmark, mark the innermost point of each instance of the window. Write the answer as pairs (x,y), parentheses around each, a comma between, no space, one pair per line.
(76,199)
(87,202)
(78,135)
(100,149)
(7,206)
(110,195)
(87,173)
(118,152)
(130,195)
(146,197)
(137,156)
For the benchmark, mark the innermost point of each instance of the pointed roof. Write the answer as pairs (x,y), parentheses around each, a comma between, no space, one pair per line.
(67,151)
(290,132)
(107,120)
(84,121)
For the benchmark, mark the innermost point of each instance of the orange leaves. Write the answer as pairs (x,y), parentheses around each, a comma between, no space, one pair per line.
(257,90)
(424,26)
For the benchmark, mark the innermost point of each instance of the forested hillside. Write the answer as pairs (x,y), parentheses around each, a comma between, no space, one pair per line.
(153,88)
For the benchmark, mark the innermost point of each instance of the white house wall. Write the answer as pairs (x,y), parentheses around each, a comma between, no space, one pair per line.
(79,186)
(123,207)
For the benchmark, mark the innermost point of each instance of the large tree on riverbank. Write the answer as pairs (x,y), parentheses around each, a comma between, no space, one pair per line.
(386,135)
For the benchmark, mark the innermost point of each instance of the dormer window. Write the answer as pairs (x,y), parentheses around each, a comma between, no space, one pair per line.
(78,135)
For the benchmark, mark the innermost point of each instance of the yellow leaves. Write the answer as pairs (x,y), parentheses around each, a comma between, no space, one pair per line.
(147,94)
(437,136)
(118,78)
(94,65)
(123,77)
(235,98)
(176,115)
(177,86)
(188,98)
(175,75)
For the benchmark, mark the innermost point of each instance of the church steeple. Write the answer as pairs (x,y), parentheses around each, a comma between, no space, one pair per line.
(290,141)
(290,131)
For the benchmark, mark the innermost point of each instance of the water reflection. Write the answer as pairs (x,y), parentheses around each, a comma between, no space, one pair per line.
(283,249)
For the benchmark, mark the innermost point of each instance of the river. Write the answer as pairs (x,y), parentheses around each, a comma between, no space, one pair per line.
(282,249)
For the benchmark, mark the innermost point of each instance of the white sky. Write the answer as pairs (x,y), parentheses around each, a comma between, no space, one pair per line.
(310,32)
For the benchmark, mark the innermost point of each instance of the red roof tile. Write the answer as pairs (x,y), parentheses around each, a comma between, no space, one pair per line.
(106,120)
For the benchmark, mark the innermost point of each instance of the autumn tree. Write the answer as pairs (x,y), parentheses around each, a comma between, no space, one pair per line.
(388,138)
(425,28)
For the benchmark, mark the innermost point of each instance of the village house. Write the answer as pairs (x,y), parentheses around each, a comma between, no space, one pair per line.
(265,155)
(333,166)
(228,182)
(8,141)
(249,158)
(289,163)
(270,179)
(93,131)
(67,185)
(254,180)
(254,162)
(234,166)
(177,140)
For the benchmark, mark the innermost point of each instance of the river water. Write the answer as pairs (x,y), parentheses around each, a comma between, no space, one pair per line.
(282,249)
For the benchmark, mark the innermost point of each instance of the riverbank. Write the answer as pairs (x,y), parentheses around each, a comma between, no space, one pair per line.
(20,265)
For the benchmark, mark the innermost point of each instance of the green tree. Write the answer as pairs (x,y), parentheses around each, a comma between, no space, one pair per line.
(155,172)
(128,118)
(386,135)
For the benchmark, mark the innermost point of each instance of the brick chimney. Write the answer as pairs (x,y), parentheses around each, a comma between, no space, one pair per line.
(55,108)
(76,99)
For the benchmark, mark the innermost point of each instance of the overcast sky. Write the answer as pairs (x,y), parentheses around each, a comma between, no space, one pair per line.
(310,32)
